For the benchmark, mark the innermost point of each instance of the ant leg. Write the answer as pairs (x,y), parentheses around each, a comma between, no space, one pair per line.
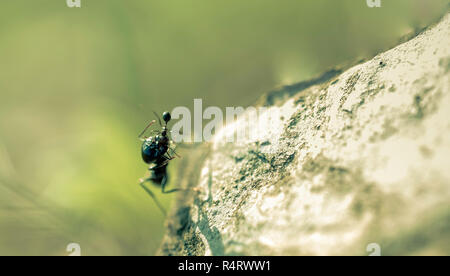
(172,148)
(175,153)
(163,187)
(161,165)
(150,193)
(168,156)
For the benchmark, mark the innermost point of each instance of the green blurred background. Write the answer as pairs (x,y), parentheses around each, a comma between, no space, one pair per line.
(77,86)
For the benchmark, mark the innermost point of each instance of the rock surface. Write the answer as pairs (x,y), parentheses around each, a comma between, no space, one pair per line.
(354,158)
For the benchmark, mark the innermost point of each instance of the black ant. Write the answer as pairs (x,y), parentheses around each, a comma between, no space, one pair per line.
(158,151)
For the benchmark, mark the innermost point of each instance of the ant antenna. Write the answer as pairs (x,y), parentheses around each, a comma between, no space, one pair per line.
(159,120)
(145,129)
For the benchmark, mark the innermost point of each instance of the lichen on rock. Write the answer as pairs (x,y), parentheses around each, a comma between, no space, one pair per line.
(354,157)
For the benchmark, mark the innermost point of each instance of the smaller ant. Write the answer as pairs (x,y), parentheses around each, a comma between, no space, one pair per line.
(158,151)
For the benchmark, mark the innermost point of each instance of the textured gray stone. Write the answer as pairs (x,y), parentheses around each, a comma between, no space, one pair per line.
(354,157)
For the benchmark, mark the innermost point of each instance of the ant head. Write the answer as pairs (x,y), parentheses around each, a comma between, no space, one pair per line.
(166,117)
